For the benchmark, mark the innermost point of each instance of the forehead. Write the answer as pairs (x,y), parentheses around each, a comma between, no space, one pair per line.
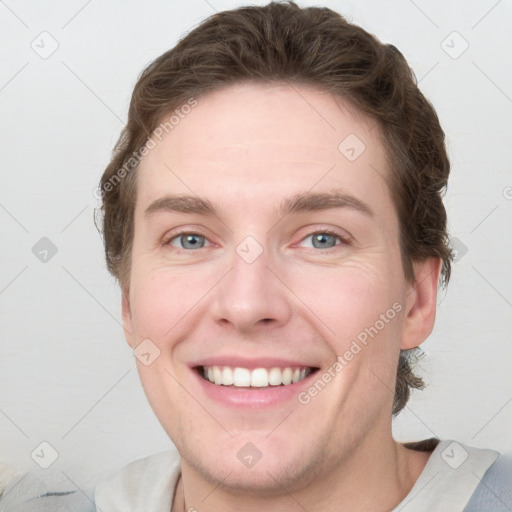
(249,141)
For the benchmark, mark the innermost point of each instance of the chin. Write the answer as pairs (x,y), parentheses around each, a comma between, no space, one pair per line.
(257,467)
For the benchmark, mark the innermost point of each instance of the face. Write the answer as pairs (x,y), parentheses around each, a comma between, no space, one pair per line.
(272,286)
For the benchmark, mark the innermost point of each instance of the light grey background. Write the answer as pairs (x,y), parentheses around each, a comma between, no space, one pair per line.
(67,376)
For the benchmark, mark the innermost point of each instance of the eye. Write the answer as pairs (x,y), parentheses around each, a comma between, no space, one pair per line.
(187,240)
(325,240)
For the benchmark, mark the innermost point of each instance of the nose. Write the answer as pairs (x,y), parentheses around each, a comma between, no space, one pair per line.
(252,296)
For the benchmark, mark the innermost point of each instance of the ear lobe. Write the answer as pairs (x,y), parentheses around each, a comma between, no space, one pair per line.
(421,303)
(127,317)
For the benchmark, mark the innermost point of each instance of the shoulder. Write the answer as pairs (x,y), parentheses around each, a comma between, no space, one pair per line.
(450,478)
(146,481)
(28,492)
(494,491)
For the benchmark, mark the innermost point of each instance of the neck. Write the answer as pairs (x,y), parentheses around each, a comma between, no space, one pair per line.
(375,477)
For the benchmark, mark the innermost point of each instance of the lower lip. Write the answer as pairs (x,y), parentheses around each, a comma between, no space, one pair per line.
(253,398)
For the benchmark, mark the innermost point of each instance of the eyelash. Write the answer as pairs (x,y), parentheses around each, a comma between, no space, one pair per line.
(344,240)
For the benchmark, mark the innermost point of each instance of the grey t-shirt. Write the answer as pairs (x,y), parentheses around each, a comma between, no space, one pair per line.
(456,478)
(25,492)
(452,476)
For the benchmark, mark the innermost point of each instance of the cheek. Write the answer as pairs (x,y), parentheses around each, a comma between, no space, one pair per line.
(161,301)
(363,314)
(351,298)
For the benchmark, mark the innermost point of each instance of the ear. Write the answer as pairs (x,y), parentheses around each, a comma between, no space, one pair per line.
(421,297)
(127,317)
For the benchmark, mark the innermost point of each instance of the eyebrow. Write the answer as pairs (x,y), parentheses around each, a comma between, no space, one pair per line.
(302,202)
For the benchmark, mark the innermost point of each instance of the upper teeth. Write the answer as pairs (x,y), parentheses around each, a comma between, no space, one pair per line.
(259,377)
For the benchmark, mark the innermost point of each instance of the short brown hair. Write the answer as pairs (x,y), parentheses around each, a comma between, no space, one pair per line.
(281,42)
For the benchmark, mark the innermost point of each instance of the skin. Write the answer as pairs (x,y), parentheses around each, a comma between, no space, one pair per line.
(245,148)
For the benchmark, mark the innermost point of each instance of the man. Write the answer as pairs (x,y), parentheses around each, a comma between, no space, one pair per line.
(273,213)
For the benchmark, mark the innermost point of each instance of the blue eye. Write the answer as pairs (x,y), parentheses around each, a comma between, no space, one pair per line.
(189,240)
(325,239)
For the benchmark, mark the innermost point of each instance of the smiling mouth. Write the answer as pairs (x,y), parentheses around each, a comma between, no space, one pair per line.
(254,378)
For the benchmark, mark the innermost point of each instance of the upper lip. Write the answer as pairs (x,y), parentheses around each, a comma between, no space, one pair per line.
(252,363)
